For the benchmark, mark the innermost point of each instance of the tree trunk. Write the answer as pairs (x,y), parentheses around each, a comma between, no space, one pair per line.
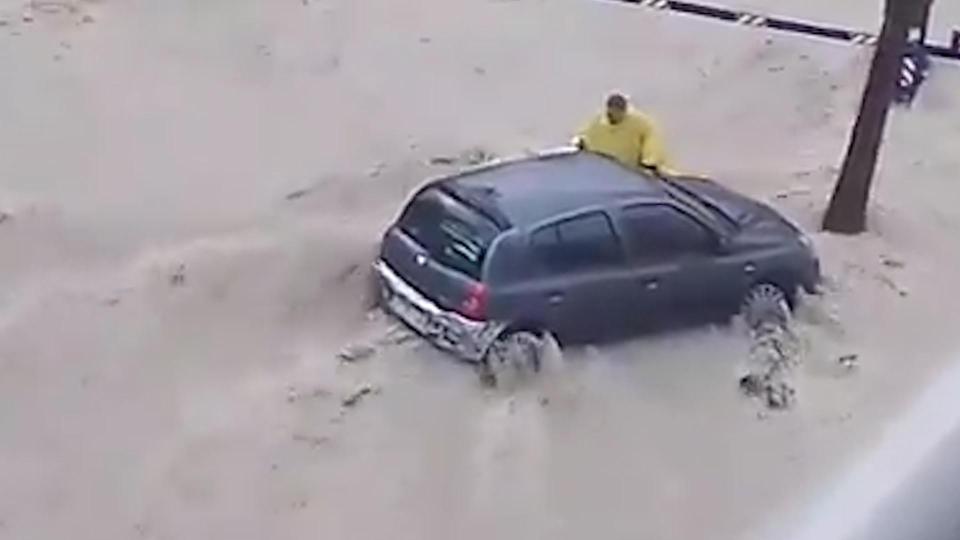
(847,212)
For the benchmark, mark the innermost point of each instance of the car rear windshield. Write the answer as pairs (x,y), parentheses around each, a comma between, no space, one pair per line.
(455,234)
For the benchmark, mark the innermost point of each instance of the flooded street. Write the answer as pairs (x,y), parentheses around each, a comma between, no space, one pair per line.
(193,192)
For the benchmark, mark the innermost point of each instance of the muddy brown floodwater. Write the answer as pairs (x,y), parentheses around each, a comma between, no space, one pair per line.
(191,192)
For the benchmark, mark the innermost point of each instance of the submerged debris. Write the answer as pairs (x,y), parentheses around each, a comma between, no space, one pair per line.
(443,160)
(376,170)
(312,441)
(356,353)
(397,335)
(893,285)
(470,157)
(891,262)
(294,395)
(354,397)
(849,361)
(179,276)
(793,192)
(344,274)
(300,193)
(319,392)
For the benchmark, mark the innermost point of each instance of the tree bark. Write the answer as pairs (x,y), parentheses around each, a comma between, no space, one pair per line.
(847,212)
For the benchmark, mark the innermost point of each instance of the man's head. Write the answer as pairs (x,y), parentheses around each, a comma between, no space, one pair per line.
(616,108)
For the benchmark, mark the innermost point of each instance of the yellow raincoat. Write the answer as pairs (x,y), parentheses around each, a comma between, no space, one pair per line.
(636,141)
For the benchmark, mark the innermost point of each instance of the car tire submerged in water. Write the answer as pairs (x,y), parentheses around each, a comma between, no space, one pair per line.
(514,357)
(766,304)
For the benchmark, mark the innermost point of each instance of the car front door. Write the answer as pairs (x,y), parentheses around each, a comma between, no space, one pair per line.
(677,262)
(584,289)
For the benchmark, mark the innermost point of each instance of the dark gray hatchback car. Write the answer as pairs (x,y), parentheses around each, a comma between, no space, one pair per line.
(574,244)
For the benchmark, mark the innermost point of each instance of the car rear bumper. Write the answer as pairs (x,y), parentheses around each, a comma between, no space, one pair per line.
(450,331)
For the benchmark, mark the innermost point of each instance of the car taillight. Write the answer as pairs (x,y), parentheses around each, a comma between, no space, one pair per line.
(474,305)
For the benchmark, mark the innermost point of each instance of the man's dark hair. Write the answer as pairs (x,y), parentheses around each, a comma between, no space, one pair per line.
(617,101)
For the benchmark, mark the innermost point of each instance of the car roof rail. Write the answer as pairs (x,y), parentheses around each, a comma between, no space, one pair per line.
(547,153)
(558,151)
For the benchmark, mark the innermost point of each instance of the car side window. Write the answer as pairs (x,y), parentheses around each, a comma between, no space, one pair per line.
(580,243)
(657,232)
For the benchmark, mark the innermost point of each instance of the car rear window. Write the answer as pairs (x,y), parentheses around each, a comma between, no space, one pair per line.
(454,234)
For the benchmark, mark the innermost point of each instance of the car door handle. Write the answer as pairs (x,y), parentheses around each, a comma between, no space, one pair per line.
(750,268)
(555,298)
(651,285)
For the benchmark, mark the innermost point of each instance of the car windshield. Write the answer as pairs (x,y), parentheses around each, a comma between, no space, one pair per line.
(685,193)
(454,234)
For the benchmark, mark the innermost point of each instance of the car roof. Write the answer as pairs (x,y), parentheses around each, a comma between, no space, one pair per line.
(526,191)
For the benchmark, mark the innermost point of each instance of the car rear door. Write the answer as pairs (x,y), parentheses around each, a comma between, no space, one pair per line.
(678,263)
(583,286)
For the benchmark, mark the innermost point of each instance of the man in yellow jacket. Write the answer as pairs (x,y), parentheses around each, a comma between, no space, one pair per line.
(625,135)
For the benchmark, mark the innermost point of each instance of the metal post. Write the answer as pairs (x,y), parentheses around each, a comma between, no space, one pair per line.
(924,23)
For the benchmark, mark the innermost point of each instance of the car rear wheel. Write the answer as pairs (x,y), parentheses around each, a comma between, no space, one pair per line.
(766,304)
(514,357)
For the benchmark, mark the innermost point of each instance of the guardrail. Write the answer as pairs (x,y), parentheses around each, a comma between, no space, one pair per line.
(854,37)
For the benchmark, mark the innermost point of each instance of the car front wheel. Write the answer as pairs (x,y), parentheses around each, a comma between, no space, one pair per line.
(766,304)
